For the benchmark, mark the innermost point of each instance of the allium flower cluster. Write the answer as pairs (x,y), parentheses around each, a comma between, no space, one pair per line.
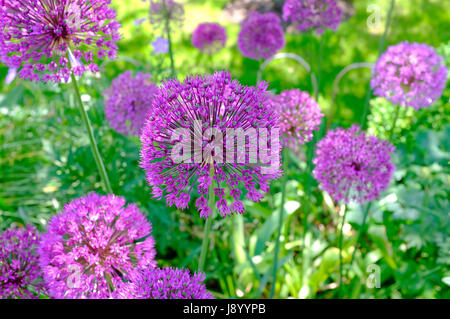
(49,39)
(165,283)
(190,140)
(352,166)
(409,74)
(209,37)
(160,10)
(261,35)
(94,244)
(128,100)
(299,114)
(313,14)
(19,264)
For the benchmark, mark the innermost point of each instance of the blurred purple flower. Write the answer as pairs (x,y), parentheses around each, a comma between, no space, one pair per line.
(202,109)
(93,245)
(127,102)
(409,74)
(313,14)
(160,45)
(139,21)
(261,35)
(20,276)
(209,37)
(38,36)
(12,73)
(352,166)
(160,9)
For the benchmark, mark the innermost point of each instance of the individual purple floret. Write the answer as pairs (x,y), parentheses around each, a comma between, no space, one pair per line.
(195,136)
(128,101)
(409,74)
(313,14)
(49,39)
(352,166)
(165,283)
(93,245)
(20,276)
(261,35)
(209,37)
(161,10)
(299,114)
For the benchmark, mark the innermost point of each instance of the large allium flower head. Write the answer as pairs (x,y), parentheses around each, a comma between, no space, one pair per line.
(209,131)
(409,74)
(160,10)
(93,245)
(352,166)
(128,100)
(165,283)
(49,39)
(20,276)
(300,115)
(209,37)
(261,35)
(313,14)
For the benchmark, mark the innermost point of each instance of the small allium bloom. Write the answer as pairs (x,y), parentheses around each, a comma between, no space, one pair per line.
(160,10)
(313,14)
(299,114)
(187,142)
(409,74)
(19,264)
(209,37)
(128,101)
(352,166)
(165,283)
(160,45)
(94,244)
(49,39)
(261,36)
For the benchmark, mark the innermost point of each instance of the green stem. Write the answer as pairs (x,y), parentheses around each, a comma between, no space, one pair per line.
(169,39)
(280,221)
(94,148)
(207,229)
(380,49)
(391,132)
(361,230)
(341,240)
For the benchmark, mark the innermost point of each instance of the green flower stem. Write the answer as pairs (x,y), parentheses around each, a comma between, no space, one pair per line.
(207,229)
(280,221)
(380,49)
(341,240)
(94,148)
(391,132)
(361,230)
(169,39)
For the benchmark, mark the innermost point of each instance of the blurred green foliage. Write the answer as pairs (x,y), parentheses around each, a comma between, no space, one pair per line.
(45,161)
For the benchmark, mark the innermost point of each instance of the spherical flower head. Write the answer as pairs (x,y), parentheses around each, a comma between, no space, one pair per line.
(162,10)
(128,100)
(300,116)
(261,36)
(20,276)
(210,132)
(209,37)
(313,14)
(93,245)
(409,74)
(352,166)
(165,283)
(48,40)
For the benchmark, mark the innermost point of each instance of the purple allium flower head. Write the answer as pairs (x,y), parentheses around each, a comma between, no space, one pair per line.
(49,39)
(160,45)
(93,245)
(189,140)
(20,276)
(128,100)
(352,166)
(409,74)
(209,37)
(165,283)
(162,9)
(313,14)
(261,35)
(300,115)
